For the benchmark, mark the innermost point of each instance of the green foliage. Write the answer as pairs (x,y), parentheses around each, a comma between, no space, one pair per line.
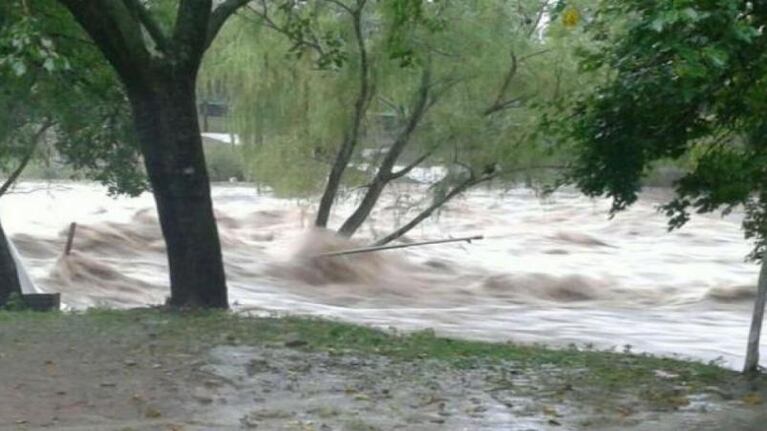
(682,80)
(52,78)
(291,76)
(15,302)
(224,162)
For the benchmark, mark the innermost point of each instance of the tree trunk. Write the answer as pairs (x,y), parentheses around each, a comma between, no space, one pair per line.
(752,353)
(351,138)
(364,209)
(167,125)
(9,277)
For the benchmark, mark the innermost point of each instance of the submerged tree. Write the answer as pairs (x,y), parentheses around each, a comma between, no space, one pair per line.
(362,93)
(686,81)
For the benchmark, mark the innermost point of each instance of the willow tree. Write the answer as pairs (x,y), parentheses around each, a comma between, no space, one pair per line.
(417,83)
(683,80)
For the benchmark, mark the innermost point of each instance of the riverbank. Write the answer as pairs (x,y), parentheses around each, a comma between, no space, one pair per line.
(553,270)
(158,370)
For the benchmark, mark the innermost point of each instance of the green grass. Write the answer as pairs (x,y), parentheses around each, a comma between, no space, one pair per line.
(194,332)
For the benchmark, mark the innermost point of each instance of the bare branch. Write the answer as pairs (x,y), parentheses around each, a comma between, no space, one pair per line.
(534,54)
(427,212)
(415,163)
(500,106)
(344,6)
(504,86)
(267,20)
(538,18)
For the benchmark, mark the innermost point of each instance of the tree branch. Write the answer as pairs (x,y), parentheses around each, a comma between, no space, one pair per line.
(504,86)
(26,159)
(407,169)
(351,137)
(384,174)
(219,16)
(150,24)
(263,14)
(427,212)
(117,34)
(538,18)
(344,6)
(190,36)
(500,106)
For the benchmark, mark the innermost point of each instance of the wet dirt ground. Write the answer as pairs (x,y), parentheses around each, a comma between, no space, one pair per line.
(81,375)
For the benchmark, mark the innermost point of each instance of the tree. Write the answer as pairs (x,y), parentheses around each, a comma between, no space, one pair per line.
(685,81)
(392,79)
(155,50)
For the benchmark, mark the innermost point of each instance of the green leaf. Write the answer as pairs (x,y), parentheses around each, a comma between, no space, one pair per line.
(49,64)
(19,68)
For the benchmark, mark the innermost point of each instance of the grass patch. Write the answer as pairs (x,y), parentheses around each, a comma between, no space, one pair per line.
(194,332)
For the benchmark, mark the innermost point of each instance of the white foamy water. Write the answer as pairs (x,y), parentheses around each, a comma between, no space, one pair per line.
(554,271)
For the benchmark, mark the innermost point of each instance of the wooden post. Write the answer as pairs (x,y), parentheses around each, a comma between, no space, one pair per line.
(70,238)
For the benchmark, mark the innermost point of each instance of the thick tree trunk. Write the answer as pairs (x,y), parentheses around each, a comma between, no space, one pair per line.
(752,353)
(167,125)
(9,277)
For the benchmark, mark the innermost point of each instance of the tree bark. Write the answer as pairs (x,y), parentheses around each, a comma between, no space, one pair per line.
(384,174)
(351,138)
(9,276)
(166,121)
(752,353)
(160,80)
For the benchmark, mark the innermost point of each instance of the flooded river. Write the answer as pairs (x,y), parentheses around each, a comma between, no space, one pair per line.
(553,271)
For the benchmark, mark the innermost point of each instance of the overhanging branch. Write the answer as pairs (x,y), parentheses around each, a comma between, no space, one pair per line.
(116,32)
(219,16)
(266,20)
(36,138)
(427,212)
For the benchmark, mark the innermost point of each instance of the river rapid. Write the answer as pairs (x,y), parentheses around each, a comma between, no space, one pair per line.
(552,270)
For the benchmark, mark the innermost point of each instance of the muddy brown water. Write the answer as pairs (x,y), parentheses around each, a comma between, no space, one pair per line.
(554,270)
